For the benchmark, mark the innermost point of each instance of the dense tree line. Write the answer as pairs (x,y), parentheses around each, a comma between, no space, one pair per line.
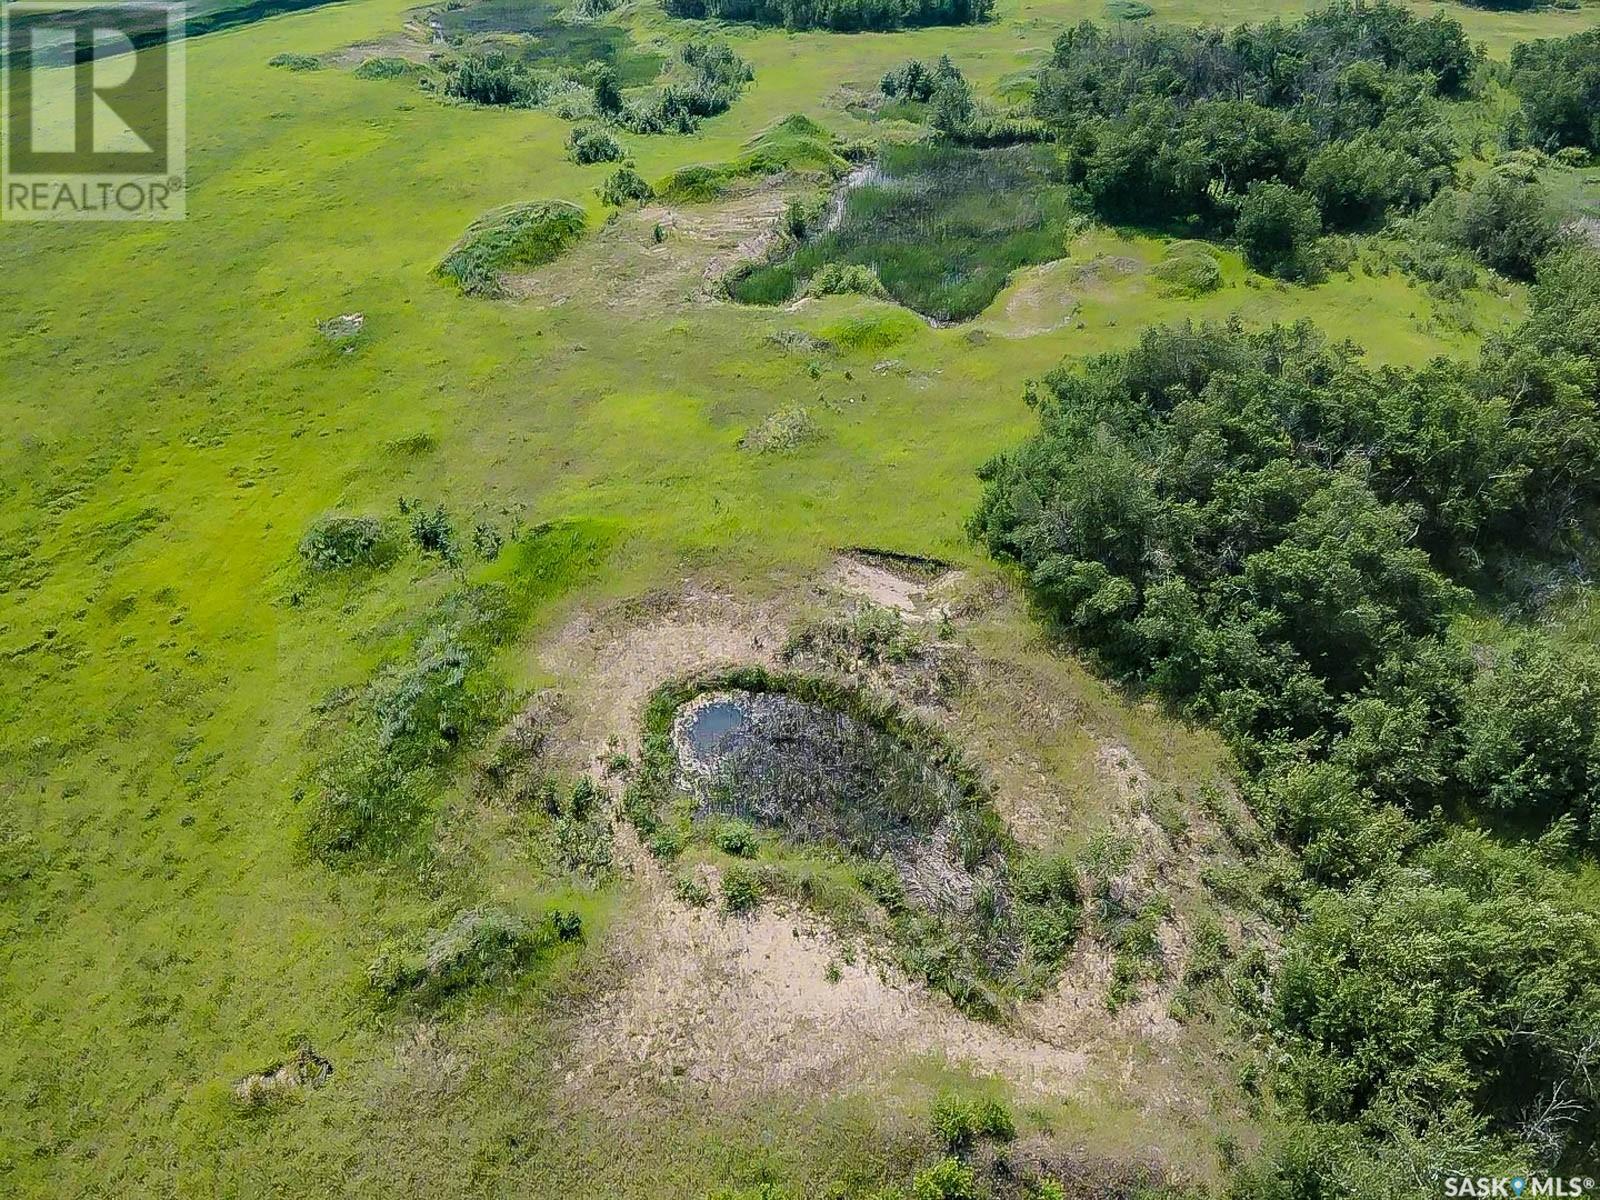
(1187,125)
(842,15)
(1559,82)
(1275,536)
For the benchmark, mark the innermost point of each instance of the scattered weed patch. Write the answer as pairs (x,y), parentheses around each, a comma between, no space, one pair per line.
(481,947)
(782,432)
(387,68)
(295,62)
(385,749)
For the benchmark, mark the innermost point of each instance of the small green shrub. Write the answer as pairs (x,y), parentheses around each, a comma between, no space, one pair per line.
(492,80)
(1278,228)
(625,186)
(911,80)
(960,1124)
(587,145)
(691,890)
(742,888)
(336,542)
(839,279)
(433,533)
(736,838)
(948,1179)
(583,832)
(665,844)
(992,1119)
(295,62)
(1188,273)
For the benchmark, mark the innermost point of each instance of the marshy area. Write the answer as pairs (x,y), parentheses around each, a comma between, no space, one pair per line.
(940,226)
(842,802)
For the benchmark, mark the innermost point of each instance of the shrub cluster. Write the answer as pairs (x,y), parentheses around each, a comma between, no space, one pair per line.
(334,542)
(1269,131)
(705,79)
(492,79)
(1274,536)
(587,146)
(481,946)
(915,80)
(1559,82)
(625,186)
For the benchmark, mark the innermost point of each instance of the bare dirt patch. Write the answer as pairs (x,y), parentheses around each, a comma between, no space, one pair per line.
(625,269)
(915,595)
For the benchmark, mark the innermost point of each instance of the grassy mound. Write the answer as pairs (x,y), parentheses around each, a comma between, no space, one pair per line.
(942,226)
(795,143)
(388,67)
(1188,269)
(516,238)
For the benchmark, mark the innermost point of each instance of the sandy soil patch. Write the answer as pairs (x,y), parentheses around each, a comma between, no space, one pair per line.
(624,268)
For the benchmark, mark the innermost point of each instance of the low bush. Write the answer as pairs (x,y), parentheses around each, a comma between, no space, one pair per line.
(703,80)
(960,1123)
(1508,224)
(1278,229)
(433,532)
(586,146)
(736,838)
(336,542)
(295,62)
(492,80)
(841,279)
(1188,270)
(742,888)
(625,186)
(1558,80)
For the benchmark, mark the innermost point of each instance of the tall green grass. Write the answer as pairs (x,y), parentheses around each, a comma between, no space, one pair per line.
(943,226)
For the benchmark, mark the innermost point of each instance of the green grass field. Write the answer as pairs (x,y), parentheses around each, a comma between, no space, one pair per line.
(173,421)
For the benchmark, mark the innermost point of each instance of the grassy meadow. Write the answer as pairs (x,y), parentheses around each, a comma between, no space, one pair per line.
(173,421)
